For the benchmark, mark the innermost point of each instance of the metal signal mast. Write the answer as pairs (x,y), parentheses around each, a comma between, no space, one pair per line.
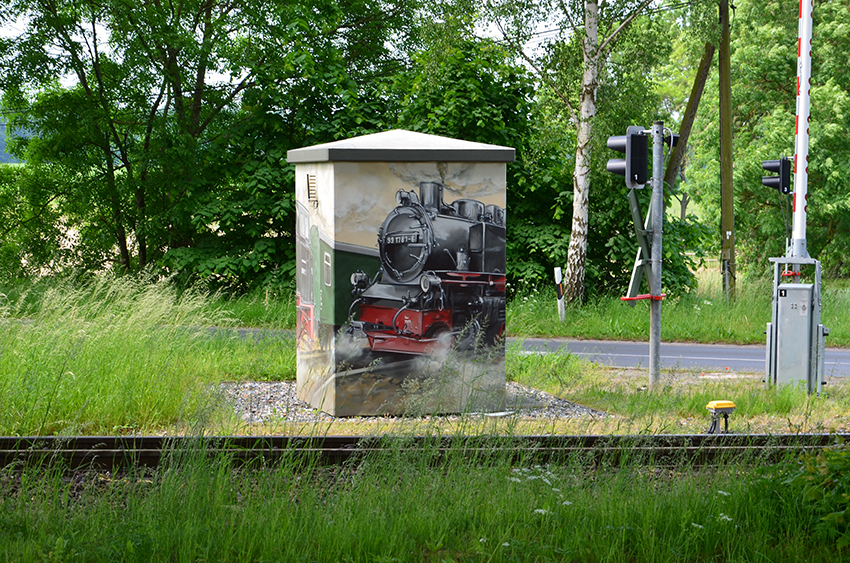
(795,338)
(801,154)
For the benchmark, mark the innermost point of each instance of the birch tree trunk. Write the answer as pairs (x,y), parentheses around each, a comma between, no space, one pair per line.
(594,52)
(577,252)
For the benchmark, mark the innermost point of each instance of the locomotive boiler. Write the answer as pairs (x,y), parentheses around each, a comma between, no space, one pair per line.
(441,281)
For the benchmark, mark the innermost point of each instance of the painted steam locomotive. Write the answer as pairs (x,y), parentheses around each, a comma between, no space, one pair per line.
(441,281)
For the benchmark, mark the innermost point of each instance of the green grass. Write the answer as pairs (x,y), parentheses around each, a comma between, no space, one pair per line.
(678,403)
(115,356)
(122,356)
(402,506)
(263,308)
(703,316)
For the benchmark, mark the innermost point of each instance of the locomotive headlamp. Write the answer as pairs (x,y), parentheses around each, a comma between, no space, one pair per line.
(359,279)
(428,282)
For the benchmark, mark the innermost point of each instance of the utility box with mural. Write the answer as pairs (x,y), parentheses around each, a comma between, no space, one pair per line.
(401,274)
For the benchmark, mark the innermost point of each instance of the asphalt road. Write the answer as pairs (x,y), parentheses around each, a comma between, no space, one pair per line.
(709,357)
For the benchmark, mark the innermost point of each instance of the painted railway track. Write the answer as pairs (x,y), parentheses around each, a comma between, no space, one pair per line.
(112,452)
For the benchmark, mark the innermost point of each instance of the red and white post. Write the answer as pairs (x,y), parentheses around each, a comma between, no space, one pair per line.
(796,339)
(801,154)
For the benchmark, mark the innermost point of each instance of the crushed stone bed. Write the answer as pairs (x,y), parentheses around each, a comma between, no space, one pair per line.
(260,402)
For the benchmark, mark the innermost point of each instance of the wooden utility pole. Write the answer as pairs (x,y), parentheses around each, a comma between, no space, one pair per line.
(727,193)
(678,152)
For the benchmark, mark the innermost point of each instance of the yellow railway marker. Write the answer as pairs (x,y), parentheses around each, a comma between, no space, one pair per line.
(720,409)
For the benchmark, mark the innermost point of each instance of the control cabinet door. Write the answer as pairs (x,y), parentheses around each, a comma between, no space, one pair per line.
(794,333)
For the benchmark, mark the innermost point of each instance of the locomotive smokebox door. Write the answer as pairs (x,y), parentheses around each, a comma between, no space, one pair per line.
(400,281)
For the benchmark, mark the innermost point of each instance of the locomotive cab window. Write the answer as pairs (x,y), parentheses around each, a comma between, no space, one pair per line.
(327,269)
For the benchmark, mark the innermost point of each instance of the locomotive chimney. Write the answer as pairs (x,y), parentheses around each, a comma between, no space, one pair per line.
(431,194)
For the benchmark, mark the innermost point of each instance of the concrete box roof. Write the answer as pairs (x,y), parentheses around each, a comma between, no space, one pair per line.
(399,145)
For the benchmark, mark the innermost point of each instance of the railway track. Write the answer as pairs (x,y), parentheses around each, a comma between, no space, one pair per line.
(113,452)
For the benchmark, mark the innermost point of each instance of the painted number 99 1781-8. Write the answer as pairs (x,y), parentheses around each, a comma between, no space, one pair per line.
(402,239)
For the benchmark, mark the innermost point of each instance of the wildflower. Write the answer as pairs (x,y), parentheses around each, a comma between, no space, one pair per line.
(724,518)
(506,544)
(695,525)
(567,503)
(556,490)
(724,493)
(547,481)
(541,511)
(483,540)
(515,479)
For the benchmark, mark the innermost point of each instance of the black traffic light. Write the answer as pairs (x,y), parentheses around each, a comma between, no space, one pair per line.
(781,182)
(633,167)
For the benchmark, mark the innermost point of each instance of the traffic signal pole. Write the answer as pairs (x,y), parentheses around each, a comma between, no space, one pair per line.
(649,232)
(657,207)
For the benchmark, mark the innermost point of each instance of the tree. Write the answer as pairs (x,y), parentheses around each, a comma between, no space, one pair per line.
(764,57)
(599,31)
(144,110)
(335,83)
(30,228)
(627,60)
(131,128)
(472,89)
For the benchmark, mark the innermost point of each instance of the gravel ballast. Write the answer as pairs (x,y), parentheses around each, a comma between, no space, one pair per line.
(261,402)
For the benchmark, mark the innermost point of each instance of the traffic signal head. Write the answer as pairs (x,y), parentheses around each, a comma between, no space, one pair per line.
(781,182)
(633,167)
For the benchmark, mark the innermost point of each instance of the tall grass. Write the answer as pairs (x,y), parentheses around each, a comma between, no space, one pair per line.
(262,308)
(701,316)
(678,404)
(114,356)
(402,506)
(121,355)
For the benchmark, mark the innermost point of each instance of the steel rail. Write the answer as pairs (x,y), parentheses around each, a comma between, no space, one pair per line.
(113,452)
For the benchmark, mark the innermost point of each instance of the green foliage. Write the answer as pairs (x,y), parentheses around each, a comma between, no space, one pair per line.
(764,57)
(332,84)
(540,199)
(31,230)
(473,90)
(108,356)
(169,143)
(822,481)
(406,504)
(625,97)
(137,163)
